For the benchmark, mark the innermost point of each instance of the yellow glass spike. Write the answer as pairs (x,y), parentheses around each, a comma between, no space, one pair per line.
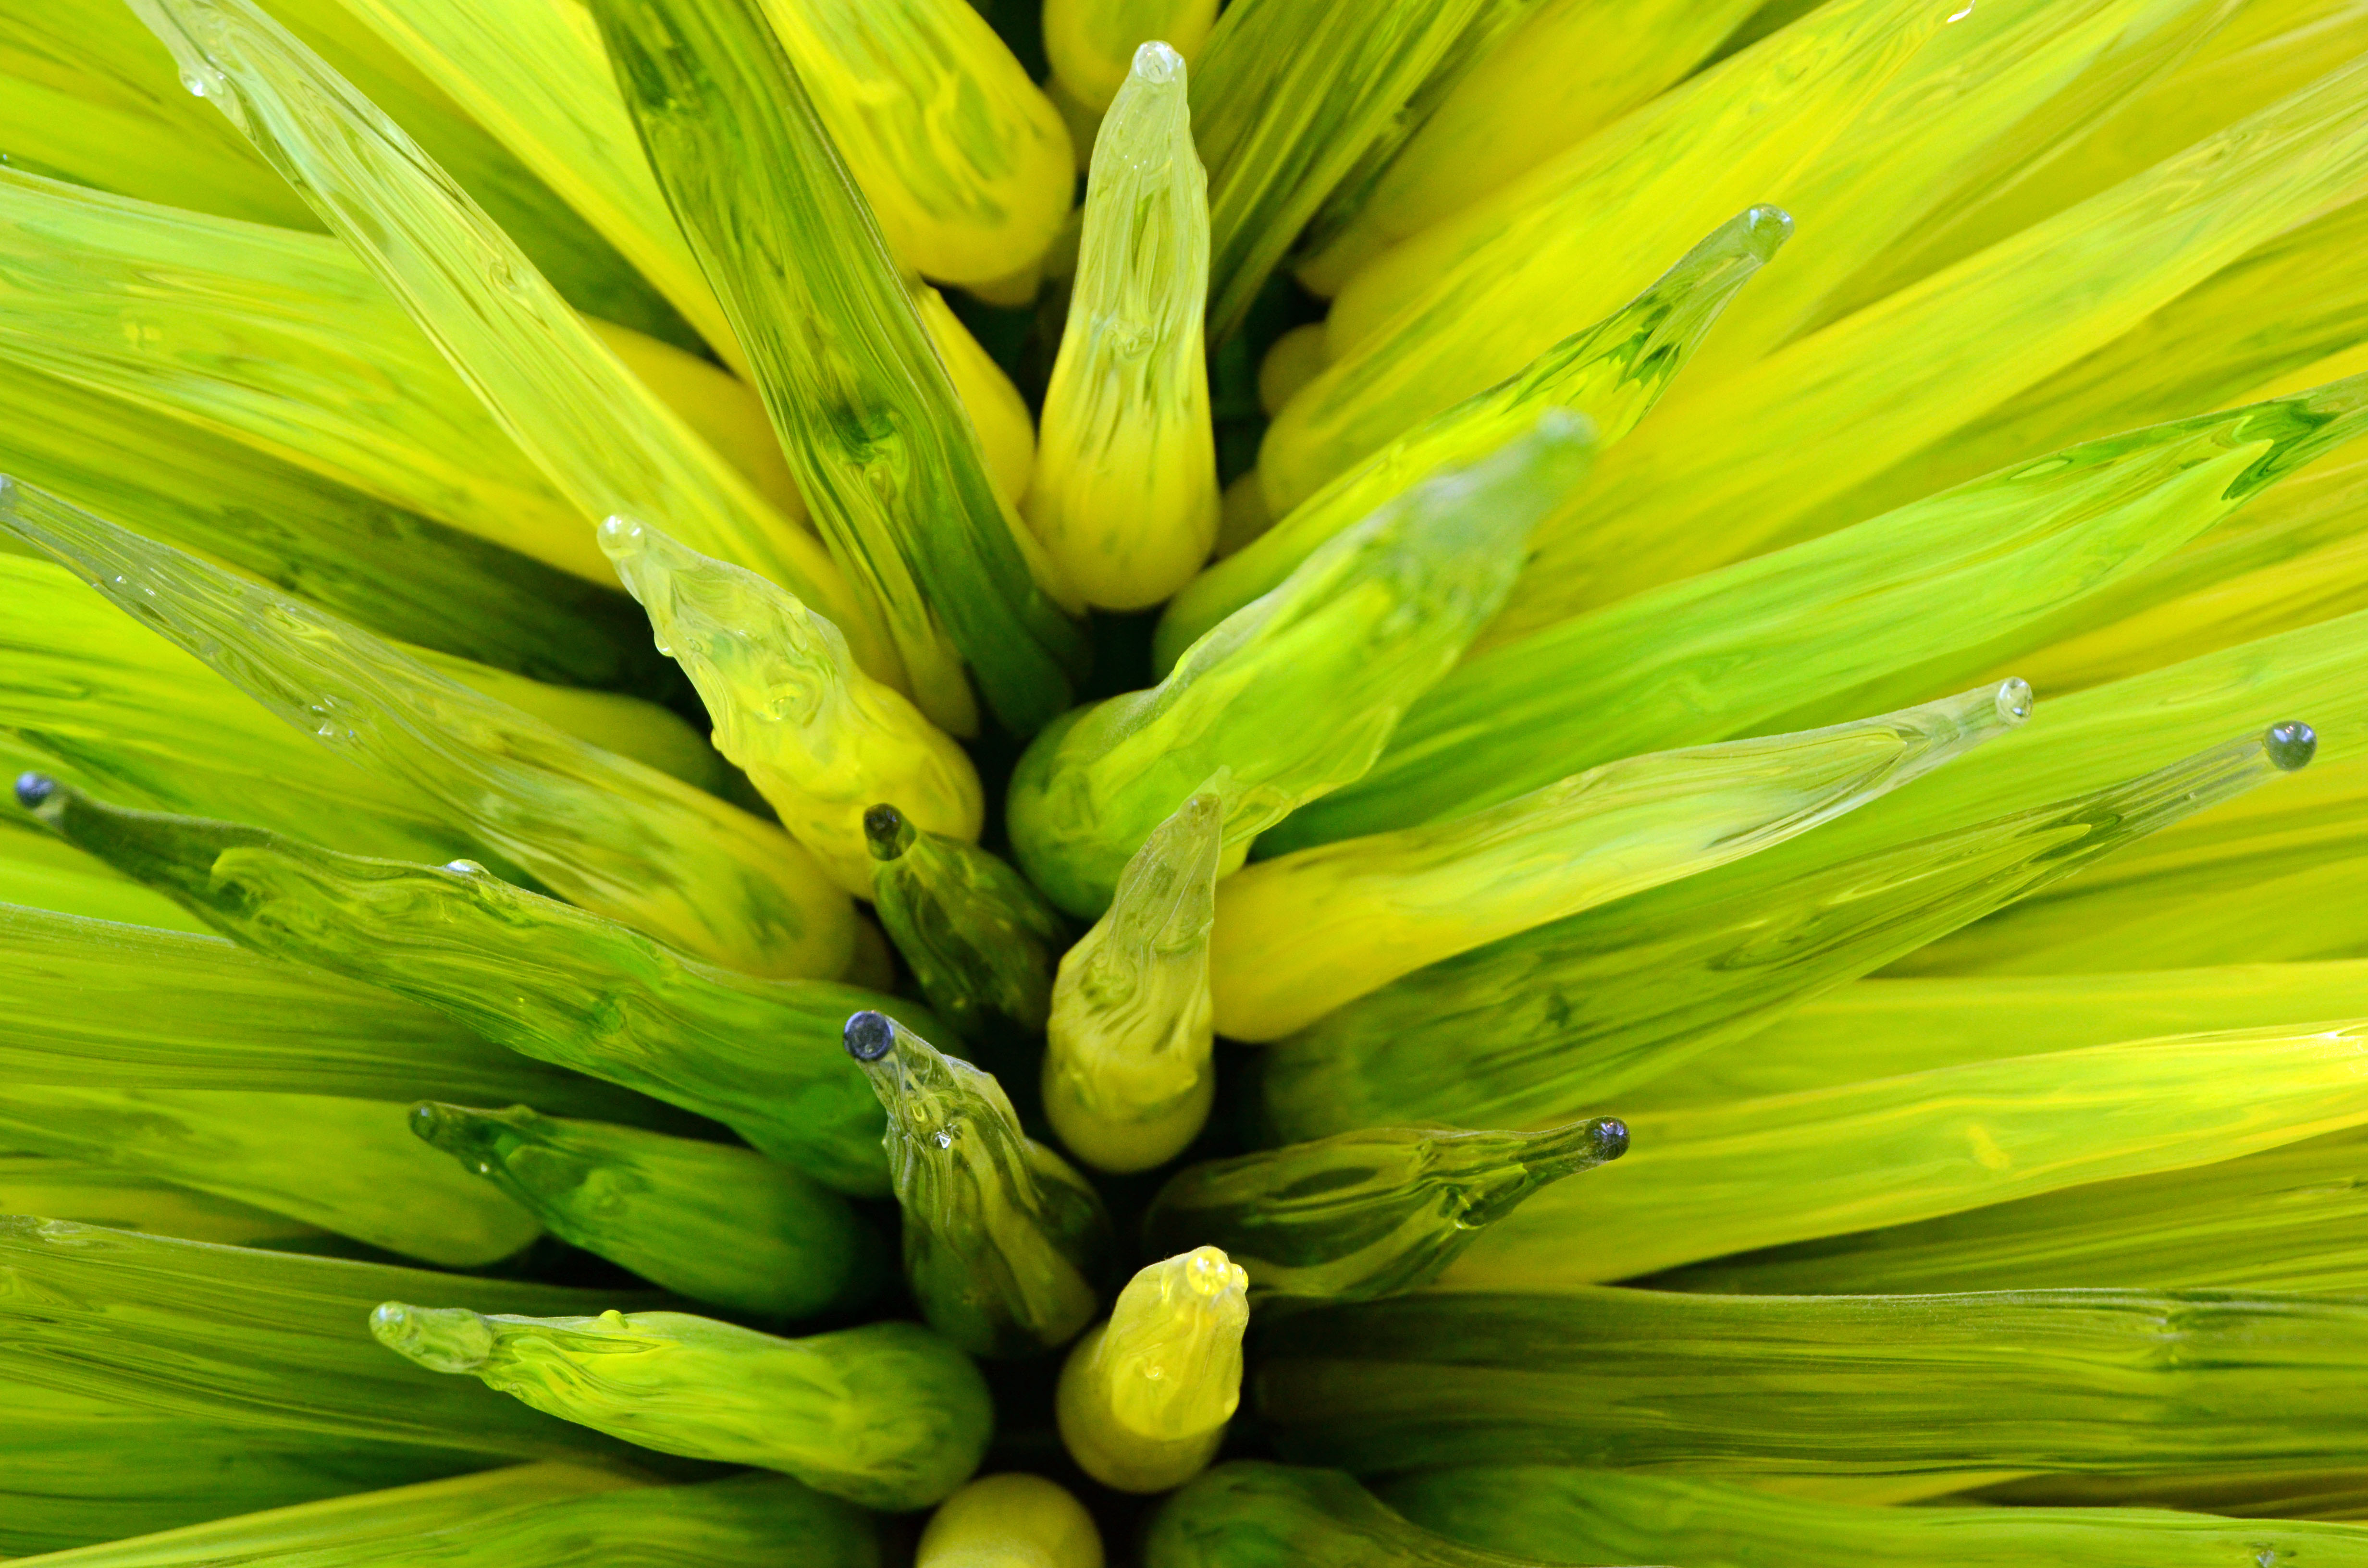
(1144,1397)
(1125,496)
(1092,44)
(820,738)
(965,162)
(1573,67)
(1012,1520)
(1128,1081)
(1007,435)
(1303,934)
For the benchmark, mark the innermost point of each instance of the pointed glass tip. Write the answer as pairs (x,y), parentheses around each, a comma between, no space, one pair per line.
(1611,1137)
(33,788)
(886,832)
(870,1036)
(1769,226)
(2290,742)
(2014,700)
(1155,61)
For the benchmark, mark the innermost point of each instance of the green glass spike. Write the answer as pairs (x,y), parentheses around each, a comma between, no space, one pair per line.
(1366,1214)
(546,980)
(1004,1243)
(1253,1515)
(1547,1024)
(979,938)
(888,1415)
(1294,694)
(610,833)
(882,449)
(716,1223)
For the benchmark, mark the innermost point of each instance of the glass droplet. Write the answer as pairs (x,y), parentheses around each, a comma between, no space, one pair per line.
(2014,699)
(2291,744)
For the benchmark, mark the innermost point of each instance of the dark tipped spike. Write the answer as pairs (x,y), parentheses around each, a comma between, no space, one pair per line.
(886,832)
(870,1036)
(33,788)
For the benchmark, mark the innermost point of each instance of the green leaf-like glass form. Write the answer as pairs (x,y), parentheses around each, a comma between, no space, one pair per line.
(1128,1079)
(344,1164)
(1302,934)
(1292,695)
(1003,1241)
(1092,43)
(262,1343)
(1892,1151)
(1249,1515)
(609,834)
(546,980)
(1144,1396)
(1014,1515)
(402,575)
(972,195)
(979,939)
(195,1012)
(531,1516)
(1125,493)
(603,438)
(1946,588)
(882,449)
(1289,96)
(1568,1515)
(1366,1214)
(91,1193)
(281,341)
(713,1223)
(1613,372)
(2288,1219)
(888,1415)
(1855,1385)
(1549,1023)
(821,739)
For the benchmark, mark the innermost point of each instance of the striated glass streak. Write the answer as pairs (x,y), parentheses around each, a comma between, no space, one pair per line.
(1014,1517)
(821,739)
(2288,1219)
(90,1193)
(1743,466)
(1144,1396)
(1128,1076)
(1572,1514)
(720,409)
(1294,694)
(282,342)
(888,1415)
(603,439)
(965,162)
(66,1455)
(1092,43)
(1366,1214)
(1250,1511)
(1547,1024)
(978,939)
(890,464)
(401,573)
(1612,372)
(528,1514)
(616,836)
(546,980)
(1944,589)
(1889,1151)
(1469,302)
(1288,96)
(1003,1240)
(653,736)
(262,1341)
(1569,69)
(2071,1380)
(1994,94)
(1302,935)
(707,1221)
(346,1166)
(1883,1027)
(1125,492)
(533,75)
